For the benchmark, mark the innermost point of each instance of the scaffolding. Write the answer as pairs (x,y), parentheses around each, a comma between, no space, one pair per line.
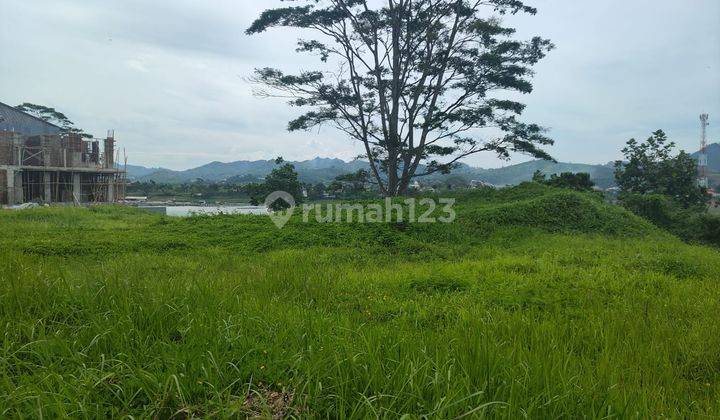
(59,169)
(67,187)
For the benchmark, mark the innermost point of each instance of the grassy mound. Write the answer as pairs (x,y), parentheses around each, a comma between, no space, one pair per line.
(559,211)
(102,231)
(509,312)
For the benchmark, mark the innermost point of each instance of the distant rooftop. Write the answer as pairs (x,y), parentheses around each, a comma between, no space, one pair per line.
(12,119)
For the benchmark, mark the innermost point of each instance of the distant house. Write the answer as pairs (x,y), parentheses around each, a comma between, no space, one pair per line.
(417,186)
(480,184)
(41,163)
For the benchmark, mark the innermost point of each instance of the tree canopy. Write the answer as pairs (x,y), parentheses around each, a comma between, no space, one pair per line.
(580,181)
(52,116)
(419,83)
(282,178)
(650,168)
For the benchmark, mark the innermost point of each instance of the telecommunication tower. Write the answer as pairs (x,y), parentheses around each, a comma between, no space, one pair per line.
(703,159)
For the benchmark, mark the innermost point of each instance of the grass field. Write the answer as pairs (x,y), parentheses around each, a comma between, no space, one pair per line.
(535,303)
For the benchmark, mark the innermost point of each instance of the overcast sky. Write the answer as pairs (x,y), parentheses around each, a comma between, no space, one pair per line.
(168,76)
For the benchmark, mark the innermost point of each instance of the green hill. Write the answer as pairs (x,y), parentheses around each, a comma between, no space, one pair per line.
(534,302)
(311,171)
(325,170)
(713,152)
(602,175)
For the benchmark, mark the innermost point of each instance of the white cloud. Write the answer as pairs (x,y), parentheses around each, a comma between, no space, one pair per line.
(169,75)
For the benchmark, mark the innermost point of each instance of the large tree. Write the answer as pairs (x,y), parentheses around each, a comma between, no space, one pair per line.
(282,178)
(650,168)
(52,116)
(414,81)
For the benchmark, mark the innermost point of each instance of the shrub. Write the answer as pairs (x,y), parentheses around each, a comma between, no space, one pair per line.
(576,181)
(690,224)
(659,209)
(710,229)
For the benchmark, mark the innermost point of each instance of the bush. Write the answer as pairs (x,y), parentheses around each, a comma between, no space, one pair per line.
(710,229)
(690,224)
(575,181)
(659,209)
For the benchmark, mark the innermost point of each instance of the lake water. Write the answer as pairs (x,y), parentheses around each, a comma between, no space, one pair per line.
(187,211)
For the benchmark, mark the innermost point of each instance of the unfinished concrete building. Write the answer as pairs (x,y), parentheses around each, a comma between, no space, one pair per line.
(41,163)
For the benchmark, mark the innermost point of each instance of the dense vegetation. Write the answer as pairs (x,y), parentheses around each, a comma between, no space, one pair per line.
(650,167)
(693,224)
(196,191)
(536,302)
(574,181)
(662,187)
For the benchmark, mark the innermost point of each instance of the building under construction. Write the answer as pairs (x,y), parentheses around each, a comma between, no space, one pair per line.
(42,163)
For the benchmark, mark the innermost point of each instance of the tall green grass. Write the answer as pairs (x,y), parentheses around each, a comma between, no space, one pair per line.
(509,312)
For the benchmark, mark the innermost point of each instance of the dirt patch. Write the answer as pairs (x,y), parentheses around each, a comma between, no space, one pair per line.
(265,403)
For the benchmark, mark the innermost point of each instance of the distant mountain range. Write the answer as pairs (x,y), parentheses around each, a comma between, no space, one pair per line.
(326,169)
(311,171)
(713,152)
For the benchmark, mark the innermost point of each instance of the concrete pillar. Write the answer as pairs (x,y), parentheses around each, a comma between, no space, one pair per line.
(77,191)
(10,185)
(47,180)
(111,191)
(17,188)
(109,152)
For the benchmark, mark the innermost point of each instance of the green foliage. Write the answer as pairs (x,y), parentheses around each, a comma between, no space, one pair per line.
(283,178)
(207,191)
(438,285)
(690,224)
(52,116)
(709,228)
(650,168)
(659,209)
(414,79)
(257,193)
(664,189)
(317,191)
(575,181)
(559,211)
(350,185)
(508,312)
